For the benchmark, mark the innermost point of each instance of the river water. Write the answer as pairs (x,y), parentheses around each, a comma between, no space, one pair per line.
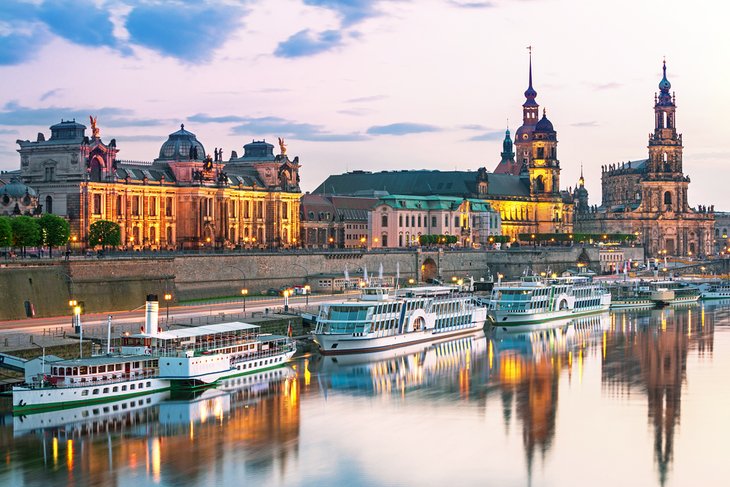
(631,398)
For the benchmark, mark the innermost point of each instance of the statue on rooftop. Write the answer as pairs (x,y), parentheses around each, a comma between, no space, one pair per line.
(282,146)
(94,128)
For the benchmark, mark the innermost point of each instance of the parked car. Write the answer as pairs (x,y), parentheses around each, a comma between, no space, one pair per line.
(272,291)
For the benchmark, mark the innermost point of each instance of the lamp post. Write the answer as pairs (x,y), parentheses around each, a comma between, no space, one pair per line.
(72,303)
(167,297)
(307,288)
(244,292)
(287,293)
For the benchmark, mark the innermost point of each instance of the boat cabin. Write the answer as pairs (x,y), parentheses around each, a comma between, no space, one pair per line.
(100,369)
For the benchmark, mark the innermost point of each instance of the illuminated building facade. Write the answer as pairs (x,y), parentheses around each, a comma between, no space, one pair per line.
(182,199)
(648,197)
(524,188)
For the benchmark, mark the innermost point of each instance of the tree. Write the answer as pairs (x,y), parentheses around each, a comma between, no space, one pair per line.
(26,232)
(6,232)
(54,231)
(105,233)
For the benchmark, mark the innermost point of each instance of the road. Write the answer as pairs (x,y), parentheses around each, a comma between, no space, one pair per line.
(177,313)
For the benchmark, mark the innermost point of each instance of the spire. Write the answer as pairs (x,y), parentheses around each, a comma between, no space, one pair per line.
(530,93)
(581,181)
(664,84)
(507,152)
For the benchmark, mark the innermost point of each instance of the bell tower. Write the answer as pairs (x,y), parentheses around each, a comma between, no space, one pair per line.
(530,113)
(665,144)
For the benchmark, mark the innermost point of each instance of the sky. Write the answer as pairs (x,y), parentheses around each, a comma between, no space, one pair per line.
(372,85)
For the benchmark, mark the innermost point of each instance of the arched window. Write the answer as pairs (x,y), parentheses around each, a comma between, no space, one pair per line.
(668,198)
(153,235)
(49,204)
(169,235)
(96,169)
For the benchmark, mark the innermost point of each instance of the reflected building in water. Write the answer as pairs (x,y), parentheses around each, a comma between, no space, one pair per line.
(647,353)
(170,440)
(529,366)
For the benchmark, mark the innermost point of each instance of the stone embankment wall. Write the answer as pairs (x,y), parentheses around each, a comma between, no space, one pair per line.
(107,285)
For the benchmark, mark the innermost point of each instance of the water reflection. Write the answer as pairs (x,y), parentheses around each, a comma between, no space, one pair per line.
(504,408)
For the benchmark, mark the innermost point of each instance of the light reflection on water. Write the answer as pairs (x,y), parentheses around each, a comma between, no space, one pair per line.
(630,398)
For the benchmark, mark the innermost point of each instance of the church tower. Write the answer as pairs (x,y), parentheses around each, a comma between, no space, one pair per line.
(507,164)
(665,144)
(530,113)
(544,166)
(664,188)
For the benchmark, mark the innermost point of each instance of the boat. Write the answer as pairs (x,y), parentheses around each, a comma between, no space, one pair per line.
(535,299)
(382,318)
(153,361)
(716,290)
(630,296)
(201,356)
(673,292)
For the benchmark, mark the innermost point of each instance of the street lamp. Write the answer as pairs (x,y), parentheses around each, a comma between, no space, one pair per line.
(72,303)
(411,281)
(362,241)
(244,292)
(287,293)
(307,288)
(168,297)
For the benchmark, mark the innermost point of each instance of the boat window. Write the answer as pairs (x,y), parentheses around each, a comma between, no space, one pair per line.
(85,392)
(96,392)
(132,387)
(106,389)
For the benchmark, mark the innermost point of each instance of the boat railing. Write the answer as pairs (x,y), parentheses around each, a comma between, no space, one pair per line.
(46,381)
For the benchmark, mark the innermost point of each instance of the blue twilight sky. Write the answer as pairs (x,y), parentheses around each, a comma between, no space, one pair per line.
(359,84)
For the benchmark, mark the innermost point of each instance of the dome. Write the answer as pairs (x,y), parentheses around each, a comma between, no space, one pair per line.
(258,150)
(16,189)
(178,145)
(544,125)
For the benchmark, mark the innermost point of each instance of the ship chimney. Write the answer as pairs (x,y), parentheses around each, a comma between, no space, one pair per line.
(150,316)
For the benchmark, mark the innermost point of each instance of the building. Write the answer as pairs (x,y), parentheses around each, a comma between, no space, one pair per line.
(335,221)
(17,198)
(648,197)
(722,225)
(525,193)
(182,199)
(399,220)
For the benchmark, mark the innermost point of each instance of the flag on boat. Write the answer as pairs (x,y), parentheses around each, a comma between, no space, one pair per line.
(289,330)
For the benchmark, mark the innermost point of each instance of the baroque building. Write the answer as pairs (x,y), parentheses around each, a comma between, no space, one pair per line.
(524,188)
(182,199)
(648,197)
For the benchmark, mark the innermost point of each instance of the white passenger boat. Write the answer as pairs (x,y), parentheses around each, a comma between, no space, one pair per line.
(535,300)
(673,292)
(382,318)
(203,355)
(716,290)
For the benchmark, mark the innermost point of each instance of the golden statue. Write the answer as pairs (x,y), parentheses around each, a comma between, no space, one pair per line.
(282,146)
(94,128)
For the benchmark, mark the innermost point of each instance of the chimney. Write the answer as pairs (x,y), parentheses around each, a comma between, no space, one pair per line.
(150,317)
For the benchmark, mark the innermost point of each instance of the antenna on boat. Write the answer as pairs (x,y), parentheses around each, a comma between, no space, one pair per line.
(109,335)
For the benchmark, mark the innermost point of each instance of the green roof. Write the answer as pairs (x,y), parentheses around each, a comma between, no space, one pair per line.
(408,202)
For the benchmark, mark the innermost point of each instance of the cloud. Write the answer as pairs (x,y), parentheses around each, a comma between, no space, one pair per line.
(474,5)
(473,127)
(605,86)
(14,114)
(203,118)
(83,23)
(49,94)
(590,123)
(187,31)
(494,135)
(21,35)
(285,128)
(8,131)
(402,128)
(366,99)
(349,11)
(307,43)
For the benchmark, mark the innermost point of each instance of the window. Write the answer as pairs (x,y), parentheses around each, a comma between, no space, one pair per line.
(433,221)
(153,206)
(400,220)
(49,204)
(135,205)
(168,206)
(120,208)
(541,153)
(85,392)
(446,220)
(413,220)
(384,220)
(419,220)
(96,204)
(407,221)
(456,221)
(284,211)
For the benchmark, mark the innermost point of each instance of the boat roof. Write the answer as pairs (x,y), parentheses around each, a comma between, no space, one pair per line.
(198,331)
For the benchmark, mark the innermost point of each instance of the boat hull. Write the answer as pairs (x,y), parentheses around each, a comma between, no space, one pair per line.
(513,319)
(336,344)
(27,400)
(210,377)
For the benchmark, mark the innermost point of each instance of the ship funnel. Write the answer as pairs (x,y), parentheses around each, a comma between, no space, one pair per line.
(152,308)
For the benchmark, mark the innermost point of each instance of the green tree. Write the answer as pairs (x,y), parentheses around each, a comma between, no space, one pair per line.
(26,232)
(105,233)
(54,231)
(6,232)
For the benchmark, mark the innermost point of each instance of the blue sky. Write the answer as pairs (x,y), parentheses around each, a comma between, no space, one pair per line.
(373,85)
